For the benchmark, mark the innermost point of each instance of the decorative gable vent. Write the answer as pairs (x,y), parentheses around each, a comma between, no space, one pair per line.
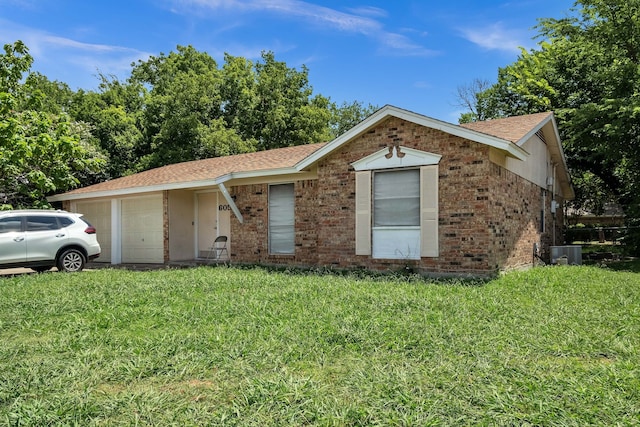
(401,157)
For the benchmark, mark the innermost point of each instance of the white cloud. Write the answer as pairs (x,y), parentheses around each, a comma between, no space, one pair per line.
(65,43)
(496,37)
(55,55)
(398,44)
(358,21)
(369,11)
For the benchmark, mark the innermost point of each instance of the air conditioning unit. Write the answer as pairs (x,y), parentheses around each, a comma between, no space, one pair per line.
(572,254)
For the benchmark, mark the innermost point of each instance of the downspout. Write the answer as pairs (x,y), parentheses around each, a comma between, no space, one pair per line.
(231,202)
(554,204)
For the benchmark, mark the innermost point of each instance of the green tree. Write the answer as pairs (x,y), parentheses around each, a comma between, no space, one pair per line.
(285,113)
(587,70)
(194,109)
(347,115)
(272,104)
(182,115)
(238,90)
(114,114)
(53,96)
(40,152)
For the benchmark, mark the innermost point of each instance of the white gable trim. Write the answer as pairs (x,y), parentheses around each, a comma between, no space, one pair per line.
(412,157)
(508,147)
(533,131)
(560,160)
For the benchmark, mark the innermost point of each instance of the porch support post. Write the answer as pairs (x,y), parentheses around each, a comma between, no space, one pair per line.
(230,201)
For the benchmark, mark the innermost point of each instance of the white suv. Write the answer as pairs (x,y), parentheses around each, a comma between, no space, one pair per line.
(42,239)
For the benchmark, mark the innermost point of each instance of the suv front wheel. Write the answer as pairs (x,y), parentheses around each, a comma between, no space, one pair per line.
(71,260)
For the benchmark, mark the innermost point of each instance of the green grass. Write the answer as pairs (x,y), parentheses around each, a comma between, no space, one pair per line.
(226,346)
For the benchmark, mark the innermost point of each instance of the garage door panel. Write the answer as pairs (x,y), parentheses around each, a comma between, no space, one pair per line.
(142,230)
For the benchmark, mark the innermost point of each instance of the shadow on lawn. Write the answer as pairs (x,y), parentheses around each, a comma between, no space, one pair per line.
(609,256)
(629,265)
(372,275)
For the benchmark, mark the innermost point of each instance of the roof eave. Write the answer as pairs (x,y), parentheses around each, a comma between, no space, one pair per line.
(565,180)
(132,190)
(174,186)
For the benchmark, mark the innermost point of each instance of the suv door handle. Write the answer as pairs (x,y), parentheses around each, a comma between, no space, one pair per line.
(19,239)
(60,235)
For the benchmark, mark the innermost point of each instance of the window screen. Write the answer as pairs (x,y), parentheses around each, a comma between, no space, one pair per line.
(281,219)
(396,198)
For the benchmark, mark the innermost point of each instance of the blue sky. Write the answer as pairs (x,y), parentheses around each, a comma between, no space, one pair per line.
(411,54)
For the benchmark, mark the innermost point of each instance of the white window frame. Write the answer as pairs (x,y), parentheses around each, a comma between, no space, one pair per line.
(387,158)
(395,241)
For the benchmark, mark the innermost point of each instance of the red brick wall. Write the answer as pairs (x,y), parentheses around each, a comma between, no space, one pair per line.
(463,173)
(488,216)
(516,216)
(250,239)
(515,219)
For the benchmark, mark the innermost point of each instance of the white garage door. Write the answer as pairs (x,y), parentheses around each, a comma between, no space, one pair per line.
(99,215)
(142,234)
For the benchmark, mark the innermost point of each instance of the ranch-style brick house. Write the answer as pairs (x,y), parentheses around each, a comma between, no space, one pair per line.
(398,190)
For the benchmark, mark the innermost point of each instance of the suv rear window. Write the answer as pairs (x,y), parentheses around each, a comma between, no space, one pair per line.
(64,221)
(40,223)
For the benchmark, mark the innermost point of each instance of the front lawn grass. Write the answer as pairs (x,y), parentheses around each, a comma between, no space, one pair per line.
(227,346)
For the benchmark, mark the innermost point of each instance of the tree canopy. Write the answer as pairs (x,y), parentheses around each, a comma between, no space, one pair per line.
(41,150)
(183,106)
(586,68)
(172,108)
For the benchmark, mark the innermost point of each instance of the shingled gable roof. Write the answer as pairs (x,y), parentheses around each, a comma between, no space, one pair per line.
(198,173)
(517,129)
(504,134)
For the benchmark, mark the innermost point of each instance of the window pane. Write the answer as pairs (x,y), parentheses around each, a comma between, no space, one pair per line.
(65,222)
(396,198)
(396,243)
(281,219)
(39,223)
(8,225)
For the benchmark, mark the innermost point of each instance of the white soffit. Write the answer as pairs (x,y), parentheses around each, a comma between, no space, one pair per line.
(388,158)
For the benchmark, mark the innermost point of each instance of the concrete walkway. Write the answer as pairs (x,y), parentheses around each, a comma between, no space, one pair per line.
(135,267)
(16,271)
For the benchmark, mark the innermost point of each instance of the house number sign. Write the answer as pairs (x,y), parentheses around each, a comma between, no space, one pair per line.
(224,207)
